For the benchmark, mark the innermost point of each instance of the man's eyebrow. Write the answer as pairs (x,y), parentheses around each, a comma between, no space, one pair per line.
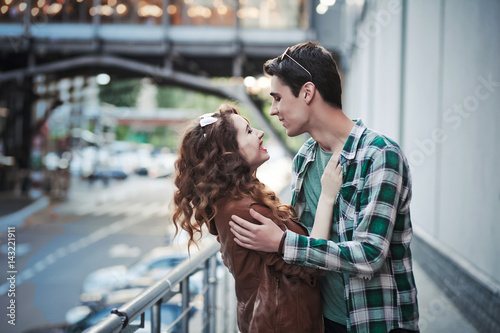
(273,94)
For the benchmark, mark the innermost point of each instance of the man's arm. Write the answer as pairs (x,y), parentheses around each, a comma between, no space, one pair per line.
(365,254)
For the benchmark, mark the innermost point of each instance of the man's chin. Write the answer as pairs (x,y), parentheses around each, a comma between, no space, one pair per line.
(292,133)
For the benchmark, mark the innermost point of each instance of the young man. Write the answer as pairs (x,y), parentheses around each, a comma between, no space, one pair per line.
(370,285)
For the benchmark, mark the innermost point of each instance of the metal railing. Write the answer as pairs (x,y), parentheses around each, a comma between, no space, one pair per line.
(119,320)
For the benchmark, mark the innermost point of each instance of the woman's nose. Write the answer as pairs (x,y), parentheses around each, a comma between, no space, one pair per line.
(260,134)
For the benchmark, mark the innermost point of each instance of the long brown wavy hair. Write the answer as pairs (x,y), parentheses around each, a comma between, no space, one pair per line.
(209,168)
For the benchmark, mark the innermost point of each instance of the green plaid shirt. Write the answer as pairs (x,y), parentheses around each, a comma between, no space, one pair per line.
(373,215)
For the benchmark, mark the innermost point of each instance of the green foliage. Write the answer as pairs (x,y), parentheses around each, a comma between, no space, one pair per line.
(163,137)
(121,92)
(121,132)
(180,98)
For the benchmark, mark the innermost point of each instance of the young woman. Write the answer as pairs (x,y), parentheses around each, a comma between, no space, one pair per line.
(216,168)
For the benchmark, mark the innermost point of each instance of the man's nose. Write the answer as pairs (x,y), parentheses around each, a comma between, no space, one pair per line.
(273,111)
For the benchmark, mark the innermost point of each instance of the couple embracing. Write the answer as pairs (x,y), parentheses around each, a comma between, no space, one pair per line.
(338,258)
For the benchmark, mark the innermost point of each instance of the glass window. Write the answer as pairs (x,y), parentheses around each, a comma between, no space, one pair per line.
(12,11)
(202,12)
(273,14)
(259,14)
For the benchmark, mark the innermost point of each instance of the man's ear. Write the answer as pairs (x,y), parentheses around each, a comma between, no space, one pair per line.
(308,91)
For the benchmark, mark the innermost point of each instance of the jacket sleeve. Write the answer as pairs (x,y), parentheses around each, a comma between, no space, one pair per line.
(274,260)
(365,254)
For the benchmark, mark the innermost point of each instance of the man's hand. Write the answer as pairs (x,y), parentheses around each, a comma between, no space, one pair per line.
(265,237)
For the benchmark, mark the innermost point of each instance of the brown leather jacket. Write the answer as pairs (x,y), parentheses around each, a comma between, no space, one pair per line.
(272,296)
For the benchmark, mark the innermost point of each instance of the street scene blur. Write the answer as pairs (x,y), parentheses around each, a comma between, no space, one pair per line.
(94,98)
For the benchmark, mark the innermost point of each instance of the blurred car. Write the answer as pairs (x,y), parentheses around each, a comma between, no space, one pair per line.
(106,176)
(142,171)
(118,174)
(109,174)
(144,272)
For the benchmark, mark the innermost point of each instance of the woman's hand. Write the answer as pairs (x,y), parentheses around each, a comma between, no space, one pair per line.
(332,178)
(330,186)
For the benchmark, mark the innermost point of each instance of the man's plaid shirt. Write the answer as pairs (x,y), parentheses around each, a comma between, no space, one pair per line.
(372,214)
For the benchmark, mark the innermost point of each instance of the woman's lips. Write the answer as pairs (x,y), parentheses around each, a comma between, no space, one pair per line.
(261,147)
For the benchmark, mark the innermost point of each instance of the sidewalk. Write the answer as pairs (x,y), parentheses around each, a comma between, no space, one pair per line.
(13,210)
(437,312)
(10,204)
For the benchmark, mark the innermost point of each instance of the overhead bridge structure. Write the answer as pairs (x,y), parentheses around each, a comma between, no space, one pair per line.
(171,42)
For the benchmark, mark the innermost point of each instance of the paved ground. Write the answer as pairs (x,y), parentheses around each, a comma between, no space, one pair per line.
(10,204)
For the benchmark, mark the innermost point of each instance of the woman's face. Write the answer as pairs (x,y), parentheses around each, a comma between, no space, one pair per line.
(249,142)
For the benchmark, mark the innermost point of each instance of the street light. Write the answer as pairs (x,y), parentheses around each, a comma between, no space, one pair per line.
(249,81)
(103,79)
(323,6)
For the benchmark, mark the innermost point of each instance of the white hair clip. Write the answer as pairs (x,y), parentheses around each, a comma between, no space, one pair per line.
(207,119)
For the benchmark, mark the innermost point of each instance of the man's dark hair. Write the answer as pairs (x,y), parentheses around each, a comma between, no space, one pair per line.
(320,64)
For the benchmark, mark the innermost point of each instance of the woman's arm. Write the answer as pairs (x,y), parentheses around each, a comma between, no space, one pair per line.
(330,186)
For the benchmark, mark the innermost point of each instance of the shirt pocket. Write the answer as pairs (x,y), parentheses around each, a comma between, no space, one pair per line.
(348,220)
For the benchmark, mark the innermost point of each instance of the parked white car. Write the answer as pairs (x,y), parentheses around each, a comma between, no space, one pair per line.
(152,267)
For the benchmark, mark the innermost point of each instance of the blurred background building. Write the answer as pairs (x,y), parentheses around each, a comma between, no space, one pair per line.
(90,85)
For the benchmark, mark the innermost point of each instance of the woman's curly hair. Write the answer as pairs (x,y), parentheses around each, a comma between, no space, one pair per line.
(209,168)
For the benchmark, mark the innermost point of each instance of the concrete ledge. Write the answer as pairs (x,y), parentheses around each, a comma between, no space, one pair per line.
(473,293)
(17,219)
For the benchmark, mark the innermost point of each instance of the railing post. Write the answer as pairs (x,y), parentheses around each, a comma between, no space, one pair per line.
(229,305)
(185,304)
(205,298)
(225,300)
(156,317)
(212,293)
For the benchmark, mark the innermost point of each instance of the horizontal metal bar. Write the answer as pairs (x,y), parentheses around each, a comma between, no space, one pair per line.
(161,289)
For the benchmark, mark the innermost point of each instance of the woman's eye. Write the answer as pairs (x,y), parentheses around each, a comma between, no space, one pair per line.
(250,131)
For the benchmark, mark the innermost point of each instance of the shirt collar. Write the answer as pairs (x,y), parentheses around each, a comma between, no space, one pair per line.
(351,145)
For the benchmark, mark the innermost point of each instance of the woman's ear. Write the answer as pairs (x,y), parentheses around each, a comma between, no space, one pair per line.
(308,92)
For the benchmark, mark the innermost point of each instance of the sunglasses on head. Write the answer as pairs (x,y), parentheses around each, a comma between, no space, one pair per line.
(282,57)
